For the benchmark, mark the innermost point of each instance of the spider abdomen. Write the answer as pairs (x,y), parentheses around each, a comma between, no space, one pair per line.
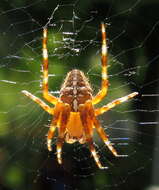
(75,89)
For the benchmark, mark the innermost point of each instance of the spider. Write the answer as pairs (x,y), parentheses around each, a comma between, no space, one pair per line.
(74,114)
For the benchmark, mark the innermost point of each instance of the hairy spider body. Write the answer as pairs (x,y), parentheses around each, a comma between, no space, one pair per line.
(74,114)
(75,90)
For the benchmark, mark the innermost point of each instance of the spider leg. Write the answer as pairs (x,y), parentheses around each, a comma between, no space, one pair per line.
(48,96)
(39,101)
(53,125)
(87,127)
(104,86)
(105,139)
(107,107)
(62,128)
(101,131)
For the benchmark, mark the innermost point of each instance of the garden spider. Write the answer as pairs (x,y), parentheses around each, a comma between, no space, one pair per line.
(74,114)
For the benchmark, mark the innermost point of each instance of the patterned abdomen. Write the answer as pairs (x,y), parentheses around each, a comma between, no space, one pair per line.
(75,89)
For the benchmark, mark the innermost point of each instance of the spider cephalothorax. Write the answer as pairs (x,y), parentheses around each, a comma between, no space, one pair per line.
(74,114)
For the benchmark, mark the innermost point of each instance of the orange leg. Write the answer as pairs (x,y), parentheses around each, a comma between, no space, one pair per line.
(87,127)
(104,137)
(53,125)
(104,87)
(49,97)
(107,107)
(62,128)
(101,132)
(39,101)
(50,135)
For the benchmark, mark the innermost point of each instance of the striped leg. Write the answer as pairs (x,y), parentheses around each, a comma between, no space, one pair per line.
(104,137)
(104,86)
(50,135)
(49,97)
(107,107)
(62,128)
(87,127)
(54,122)
(101,131)
(39,101)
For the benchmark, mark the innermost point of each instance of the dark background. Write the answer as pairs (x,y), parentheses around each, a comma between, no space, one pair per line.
(133,41)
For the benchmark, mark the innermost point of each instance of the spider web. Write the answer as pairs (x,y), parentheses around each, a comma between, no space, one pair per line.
(74,41)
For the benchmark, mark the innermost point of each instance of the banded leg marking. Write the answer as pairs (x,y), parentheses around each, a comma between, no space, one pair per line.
(39,101)
(105,139)
(104,86)
(46,93)
(86,121)
(50,136)
(62,128)
(118,101)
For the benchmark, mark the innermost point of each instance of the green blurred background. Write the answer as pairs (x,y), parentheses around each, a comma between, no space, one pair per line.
(74,41)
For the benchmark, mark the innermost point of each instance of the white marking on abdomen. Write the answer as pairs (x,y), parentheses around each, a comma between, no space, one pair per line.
(75,91)
(75,104)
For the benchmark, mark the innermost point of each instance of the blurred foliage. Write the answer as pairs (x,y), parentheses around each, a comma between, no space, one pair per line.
(22,139)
